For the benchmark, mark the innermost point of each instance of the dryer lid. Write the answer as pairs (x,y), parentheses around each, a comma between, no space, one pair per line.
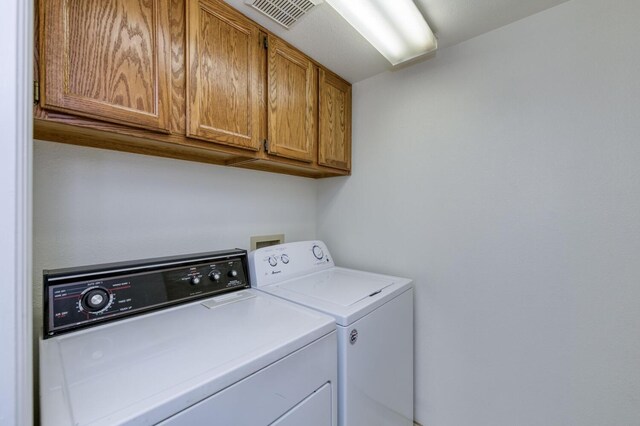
(143,369)
(338,286)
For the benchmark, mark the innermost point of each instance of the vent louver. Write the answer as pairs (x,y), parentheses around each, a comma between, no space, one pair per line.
(284,12)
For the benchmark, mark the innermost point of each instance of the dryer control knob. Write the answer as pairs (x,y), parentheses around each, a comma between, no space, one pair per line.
(233,273)
(214,276)
(95,299)
(195,280)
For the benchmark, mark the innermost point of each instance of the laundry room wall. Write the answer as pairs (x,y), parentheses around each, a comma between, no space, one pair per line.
(95,206)
(503,176)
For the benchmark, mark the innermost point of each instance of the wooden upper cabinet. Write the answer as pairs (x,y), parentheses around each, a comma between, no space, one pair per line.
(108,60)
(191,79)
(292,102)
(334,146)
(223,72)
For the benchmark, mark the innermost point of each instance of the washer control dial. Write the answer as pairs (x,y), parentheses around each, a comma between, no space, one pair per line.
(195,280)
(317,252)
(273,261)
(95,300)
(214,276)
(233,273)
(284,258)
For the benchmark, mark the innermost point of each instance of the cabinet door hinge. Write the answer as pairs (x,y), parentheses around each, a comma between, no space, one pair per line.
(36,91)
(265,43)
(266,145)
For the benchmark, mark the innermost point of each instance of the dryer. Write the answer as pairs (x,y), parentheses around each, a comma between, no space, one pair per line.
(374,321)
(181,340)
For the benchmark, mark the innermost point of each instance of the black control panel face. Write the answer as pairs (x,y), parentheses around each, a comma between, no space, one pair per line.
(80,301)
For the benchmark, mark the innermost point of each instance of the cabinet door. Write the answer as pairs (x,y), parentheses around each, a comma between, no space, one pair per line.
(334,145)
(108,60)
(223,68)
(292,85)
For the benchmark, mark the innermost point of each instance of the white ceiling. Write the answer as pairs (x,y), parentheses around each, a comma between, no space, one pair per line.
(325,36)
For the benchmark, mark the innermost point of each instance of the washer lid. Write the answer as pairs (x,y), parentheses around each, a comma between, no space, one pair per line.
(339,286)
(345,294)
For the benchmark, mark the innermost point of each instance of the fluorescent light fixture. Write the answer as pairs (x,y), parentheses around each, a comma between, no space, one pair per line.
(395,27)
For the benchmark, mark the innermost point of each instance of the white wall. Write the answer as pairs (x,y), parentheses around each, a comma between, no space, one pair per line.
(504,177)
(96,206)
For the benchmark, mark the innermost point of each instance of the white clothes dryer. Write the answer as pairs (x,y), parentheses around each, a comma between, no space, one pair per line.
(181,341)
(374,320)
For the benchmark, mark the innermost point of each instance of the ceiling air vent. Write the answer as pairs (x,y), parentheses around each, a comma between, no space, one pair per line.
(284,12)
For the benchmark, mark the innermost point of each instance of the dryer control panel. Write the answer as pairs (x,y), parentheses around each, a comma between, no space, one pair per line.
(79,297)
(274,264)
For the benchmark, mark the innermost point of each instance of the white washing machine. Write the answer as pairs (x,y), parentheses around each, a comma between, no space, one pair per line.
(374,320)
(181,341)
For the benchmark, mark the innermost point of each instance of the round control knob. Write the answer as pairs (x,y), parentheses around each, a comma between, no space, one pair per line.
(273,261)
(95,299)
(284,258)
(214,275)
(317,252)
(195,280)
(233,273)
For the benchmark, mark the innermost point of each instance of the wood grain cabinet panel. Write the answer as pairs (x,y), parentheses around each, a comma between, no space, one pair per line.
(292,102)
(107,60)
(334,146)
(223,68)
(188,79)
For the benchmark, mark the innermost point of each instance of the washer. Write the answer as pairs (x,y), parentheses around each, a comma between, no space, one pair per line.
(374,320)
(181,341)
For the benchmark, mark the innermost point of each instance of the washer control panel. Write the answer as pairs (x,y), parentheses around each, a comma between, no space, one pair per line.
(273,264)
(80,297)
